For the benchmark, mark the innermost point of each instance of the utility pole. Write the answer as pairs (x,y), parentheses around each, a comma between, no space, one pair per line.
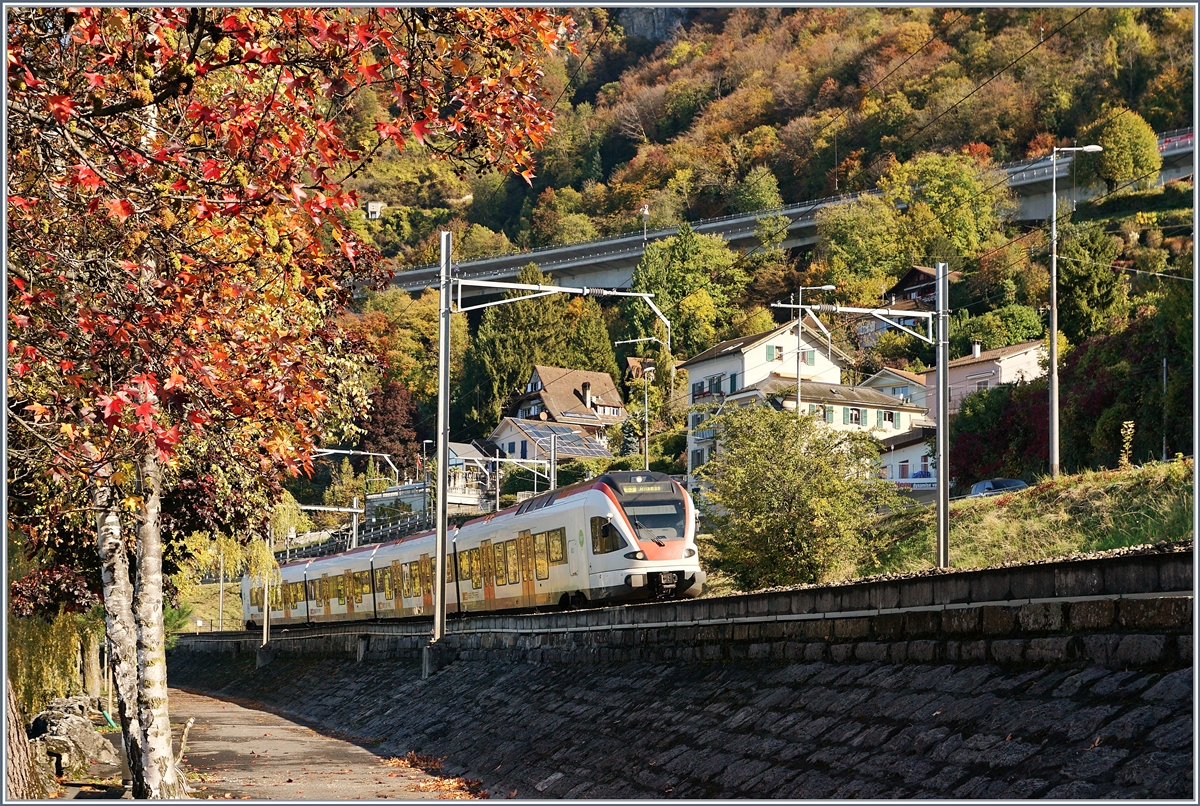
(443,441)
(1164,407)
(943,417)
(221,590)
(553,462)
(1054,463)
(354,524)
(443,398)
(647,374)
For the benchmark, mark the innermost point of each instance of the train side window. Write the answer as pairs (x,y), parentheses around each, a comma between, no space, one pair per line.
(558,546)
(476,570)
(501,570)
(450,572)
(464,566)
(605,537)
(510,560)
(414,571)
(406,580)
(341,589)
(388,590)
(541,560)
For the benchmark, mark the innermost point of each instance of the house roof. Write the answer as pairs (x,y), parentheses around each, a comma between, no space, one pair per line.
(990,355)
(570,445)
(921,431)
(828,393)
(744,343)
(918,277)
(562,395)
(636,366)
(899,373)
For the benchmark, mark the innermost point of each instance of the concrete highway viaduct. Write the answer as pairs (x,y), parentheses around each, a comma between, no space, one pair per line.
(609,262)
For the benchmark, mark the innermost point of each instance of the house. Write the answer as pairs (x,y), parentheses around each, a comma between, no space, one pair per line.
(636,367)
(870,328)
(468,476)
(918,284)
(844,408)
(899,383)
(528,439)
(587,401)
(984,369)
(737,364)
(906,459)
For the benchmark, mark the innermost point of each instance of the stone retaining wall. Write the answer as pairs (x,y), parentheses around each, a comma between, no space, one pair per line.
(1130,610)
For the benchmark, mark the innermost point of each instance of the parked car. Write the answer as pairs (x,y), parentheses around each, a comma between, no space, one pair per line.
(996,487)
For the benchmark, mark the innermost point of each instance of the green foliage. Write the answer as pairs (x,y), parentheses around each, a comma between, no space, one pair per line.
(1130,156)
(790,499)
(588,344)
(1012,324)
(511,339)
(399,229)
(177,620)
(695,279)
(1091,293)
(758,191)
(949,195)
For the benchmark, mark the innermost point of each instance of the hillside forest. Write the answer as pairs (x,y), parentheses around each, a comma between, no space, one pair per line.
(745,110)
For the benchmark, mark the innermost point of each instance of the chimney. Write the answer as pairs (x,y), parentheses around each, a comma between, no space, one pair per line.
(975,347)
(587,394)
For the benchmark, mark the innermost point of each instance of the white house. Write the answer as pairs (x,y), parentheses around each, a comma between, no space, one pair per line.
(900,384)
(737,364)
(843,408)
(985,369)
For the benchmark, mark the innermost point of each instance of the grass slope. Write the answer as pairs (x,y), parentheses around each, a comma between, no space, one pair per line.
(1091,511)
(205,606)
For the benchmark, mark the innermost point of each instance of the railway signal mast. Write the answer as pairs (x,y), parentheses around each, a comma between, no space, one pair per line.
(447,285)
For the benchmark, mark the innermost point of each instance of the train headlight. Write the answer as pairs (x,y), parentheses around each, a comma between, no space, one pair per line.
(689,552)
(636,555)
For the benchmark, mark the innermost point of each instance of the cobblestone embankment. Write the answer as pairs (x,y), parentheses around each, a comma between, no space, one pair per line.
(755,728)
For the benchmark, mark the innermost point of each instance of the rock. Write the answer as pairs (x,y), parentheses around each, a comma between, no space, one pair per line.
(78,705)
(44,765)
(72,741)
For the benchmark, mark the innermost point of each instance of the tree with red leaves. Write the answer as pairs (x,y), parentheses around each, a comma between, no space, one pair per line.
(179,251)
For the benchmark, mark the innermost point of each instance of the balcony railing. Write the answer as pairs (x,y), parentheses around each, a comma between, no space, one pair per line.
(706,433)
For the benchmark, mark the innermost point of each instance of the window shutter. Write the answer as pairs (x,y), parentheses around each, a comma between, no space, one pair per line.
(770,352)
(879,418)
(896,421)
(829,414)
(845,415)
(732,382)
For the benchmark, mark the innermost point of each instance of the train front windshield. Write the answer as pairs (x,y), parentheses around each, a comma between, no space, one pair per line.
(656,510)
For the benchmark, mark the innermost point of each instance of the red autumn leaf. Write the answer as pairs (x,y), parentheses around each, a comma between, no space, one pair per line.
(120,209)
(60,106)
(419,128)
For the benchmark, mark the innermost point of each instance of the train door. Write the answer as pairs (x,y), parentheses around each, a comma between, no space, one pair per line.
(576,556)
(286,589)
(488,568)
(426,581)
(397,577)
(348,588)
(323,582)
(525,552)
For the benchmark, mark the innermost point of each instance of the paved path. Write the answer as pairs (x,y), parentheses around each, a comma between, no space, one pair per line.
(235,751)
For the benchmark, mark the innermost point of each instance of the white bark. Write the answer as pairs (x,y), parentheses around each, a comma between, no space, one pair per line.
(158,764)
(122,632)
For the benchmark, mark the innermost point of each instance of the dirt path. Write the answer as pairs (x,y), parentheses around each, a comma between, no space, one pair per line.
(235,751)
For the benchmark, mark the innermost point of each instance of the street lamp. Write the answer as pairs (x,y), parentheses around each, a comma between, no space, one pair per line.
(645,219)
(1091,149)
(800,330)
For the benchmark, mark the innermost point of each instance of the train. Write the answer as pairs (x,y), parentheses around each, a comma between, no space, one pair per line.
(625,536)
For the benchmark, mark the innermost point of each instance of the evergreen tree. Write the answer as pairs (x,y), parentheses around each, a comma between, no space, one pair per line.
(589,345)
(1091,292)
(511,339)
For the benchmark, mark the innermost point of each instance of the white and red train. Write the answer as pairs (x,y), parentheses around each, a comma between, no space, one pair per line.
(621,537)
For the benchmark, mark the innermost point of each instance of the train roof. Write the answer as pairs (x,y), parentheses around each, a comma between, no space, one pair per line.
(611,479)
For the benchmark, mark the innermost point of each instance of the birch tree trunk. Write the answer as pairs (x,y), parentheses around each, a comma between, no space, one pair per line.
(122,631)
(21,780)
(158,764)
